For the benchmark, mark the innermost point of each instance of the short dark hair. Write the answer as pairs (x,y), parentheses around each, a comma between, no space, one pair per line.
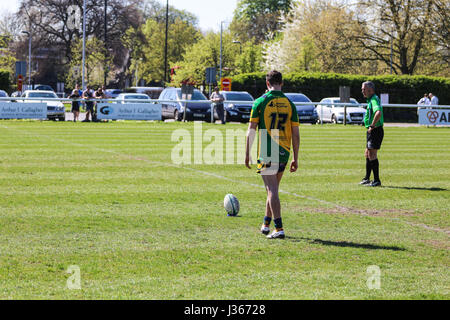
(274,77)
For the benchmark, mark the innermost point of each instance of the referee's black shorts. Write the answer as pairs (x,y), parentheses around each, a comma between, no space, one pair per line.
(375,138)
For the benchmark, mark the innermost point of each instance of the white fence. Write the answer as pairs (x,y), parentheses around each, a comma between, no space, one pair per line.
(428,115)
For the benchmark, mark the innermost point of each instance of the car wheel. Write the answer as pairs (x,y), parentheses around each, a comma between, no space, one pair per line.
(63,118)
(333,119)
(176,116)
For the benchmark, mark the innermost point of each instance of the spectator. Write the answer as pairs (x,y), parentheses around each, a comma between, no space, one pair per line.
(424,100)
(76,94)
(87,95)
(217,100)
(99,94)
(434,100)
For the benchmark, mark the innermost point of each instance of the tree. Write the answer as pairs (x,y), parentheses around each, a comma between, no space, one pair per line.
(251,59)
(405,23)
(317,36)
(8,32)
(204,54)
(95,58)
(259,20)
(155,10)
(52,26)
(147,44)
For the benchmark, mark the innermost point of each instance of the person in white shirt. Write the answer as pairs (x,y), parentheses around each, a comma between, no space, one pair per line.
(434,100)
(424,100)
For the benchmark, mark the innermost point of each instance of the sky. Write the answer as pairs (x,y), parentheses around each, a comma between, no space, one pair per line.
(209,12)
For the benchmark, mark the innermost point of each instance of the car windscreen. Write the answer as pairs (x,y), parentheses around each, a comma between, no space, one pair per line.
(3,94)
(298,98)
(353,101)
(41,95)
(238,97)
(198,95)
(137,97)
(43,88)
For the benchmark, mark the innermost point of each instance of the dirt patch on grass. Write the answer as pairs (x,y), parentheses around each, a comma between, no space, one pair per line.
(438,244)
(362,212)
(394,214)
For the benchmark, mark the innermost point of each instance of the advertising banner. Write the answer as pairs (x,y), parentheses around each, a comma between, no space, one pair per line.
(129,111)
(434,117)
(16,110)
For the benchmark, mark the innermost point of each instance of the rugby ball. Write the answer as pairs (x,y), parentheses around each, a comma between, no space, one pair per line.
(231,204)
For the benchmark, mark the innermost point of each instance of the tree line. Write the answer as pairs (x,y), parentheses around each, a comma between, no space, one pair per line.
(371,37)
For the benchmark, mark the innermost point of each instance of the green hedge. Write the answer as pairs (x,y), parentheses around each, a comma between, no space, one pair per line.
(401,89)
(4,80)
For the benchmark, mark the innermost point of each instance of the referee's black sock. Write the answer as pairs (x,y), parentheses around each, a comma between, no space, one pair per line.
(368,169)
(376,170)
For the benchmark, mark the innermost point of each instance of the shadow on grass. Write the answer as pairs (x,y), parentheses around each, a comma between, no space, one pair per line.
(415,188)
(345,244)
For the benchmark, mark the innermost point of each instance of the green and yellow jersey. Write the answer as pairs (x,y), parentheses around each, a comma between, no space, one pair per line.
(275,114)
(373,105)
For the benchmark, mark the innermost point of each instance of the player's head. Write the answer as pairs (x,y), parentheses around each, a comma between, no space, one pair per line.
(430,95)
(368,89)
(274,78)
(216,89)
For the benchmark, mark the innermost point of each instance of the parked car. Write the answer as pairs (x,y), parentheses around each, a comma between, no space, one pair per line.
(112,93)
(335,114)
(172,108)
(43,87)
(237,111)
(123,97)
(152,92)
(306,113)
(3,94)
(55,109)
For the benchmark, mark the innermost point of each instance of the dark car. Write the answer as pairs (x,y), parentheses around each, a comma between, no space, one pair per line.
(238,105)
(173,108)
(306,113)
(43,87)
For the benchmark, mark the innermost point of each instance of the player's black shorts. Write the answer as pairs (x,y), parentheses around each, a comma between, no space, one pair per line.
(261,166)
(375,138)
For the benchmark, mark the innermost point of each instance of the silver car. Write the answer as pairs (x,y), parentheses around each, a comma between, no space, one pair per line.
(131,98)
(55,108)
(335,113)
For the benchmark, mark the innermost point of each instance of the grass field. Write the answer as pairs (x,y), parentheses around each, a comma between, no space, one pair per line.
(106,198)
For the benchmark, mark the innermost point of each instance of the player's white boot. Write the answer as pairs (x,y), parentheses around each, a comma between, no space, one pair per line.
(277,235)
(265,229)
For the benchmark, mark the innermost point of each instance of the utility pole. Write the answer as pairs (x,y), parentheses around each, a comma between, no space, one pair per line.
(165,45)
(29,55)
(84,46)
(221,50)
(105,71)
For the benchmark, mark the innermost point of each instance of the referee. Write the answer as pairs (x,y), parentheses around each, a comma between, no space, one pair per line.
(373,121)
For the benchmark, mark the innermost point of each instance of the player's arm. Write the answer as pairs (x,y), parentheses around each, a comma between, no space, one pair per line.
(376,118)
(250,138)
(295,147)
(295,133)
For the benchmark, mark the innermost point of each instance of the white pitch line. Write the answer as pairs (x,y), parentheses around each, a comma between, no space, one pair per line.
(225,178)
